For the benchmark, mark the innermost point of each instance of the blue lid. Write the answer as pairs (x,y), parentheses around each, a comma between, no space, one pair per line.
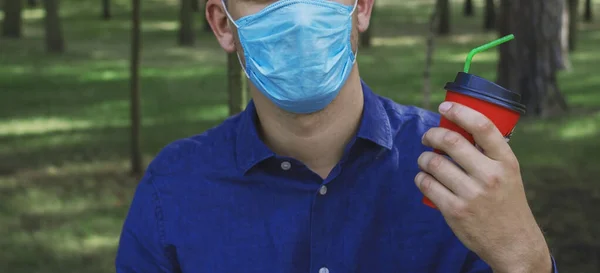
(474,86)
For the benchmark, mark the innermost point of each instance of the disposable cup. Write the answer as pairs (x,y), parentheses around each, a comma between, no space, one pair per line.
(502,106)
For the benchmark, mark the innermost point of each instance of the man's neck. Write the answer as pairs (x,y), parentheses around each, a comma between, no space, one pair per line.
(317,140)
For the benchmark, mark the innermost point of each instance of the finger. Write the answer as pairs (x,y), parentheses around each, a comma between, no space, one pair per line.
(485,133)
(449,175)
(439,195)
(457,147)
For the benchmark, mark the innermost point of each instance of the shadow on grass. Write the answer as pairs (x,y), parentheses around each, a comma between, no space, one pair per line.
(74,231)
(62,242)
(89,145)
(559,168)
(100,93)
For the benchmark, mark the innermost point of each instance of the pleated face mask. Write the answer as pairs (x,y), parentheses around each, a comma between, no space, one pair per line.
(298,53)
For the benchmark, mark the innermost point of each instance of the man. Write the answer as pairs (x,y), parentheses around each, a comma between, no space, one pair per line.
(319,174)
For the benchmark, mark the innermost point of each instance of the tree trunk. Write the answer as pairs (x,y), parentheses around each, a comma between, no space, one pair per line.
(365,37)
(11,27)
(186,28)
(54,36)
(32,3)
(444,19)
(489,20)
(234,84)
(106,9)
(135,115)
(430,47)
(469,11)
(573,21)
(529,64)
(196,5)
(589,14)
(565,37)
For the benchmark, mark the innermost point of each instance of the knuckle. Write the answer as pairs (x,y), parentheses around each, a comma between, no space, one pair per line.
(477,193)
(485,126)
(426,184)
(512,164)
(493,180)
(451,139)
(455,111)
(459,210)
(434,163)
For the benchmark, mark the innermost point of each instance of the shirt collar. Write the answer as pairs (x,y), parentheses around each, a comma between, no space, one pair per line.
(251,150)
(375,124)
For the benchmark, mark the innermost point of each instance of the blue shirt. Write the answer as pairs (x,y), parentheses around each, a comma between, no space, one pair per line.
(222,202)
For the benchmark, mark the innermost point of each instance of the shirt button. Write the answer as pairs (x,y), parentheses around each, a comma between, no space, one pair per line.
(324,270)
(285,165)
(323,191)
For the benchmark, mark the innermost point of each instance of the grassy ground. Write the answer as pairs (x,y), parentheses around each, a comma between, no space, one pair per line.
(64,126)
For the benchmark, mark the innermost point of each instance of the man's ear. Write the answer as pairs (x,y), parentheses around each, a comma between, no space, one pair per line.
(221,27)
(364,9)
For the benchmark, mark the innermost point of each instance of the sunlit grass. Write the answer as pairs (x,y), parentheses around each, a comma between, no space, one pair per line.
(41,125)
(397,41)
(583,128)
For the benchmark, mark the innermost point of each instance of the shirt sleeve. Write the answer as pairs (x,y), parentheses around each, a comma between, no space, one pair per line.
(474,264)
(142,246)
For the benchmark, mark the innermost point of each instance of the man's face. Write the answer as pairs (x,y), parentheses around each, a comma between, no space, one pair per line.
(242,8)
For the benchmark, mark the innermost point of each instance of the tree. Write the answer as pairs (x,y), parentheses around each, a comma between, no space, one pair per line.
(588,15)
(444,17)
(196,5)
(565,38)
(430,47)
(489,19)
(11,27)
(573,21)
(136,154)
(468,10)
(106,10)
(186,27)
(32,3)
(529,64)
(54,36)
(235,85)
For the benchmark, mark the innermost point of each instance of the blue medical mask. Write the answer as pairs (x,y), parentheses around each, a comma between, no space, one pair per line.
(298,53)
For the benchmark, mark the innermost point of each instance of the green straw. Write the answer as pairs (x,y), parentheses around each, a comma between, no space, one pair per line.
(484,48)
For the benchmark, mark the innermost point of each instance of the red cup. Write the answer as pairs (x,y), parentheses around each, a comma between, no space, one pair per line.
(502,106)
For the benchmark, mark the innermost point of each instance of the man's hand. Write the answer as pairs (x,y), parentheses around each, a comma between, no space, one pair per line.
(483,200)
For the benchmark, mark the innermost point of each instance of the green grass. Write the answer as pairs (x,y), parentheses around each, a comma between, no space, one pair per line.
(64,183)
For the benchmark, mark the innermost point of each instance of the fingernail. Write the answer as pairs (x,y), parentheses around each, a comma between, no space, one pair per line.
(418,178)
(445,106)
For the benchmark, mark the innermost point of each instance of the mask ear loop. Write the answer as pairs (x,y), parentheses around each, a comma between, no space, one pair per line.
(355,5)
(352,13)
(233,22)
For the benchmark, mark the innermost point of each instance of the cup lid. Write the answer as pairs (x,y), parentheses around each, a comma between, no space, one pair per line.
(483,89)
